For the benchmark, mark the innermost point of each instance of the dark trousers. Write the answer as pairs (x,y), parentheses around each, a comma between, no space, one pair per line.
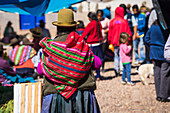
(97,50)
(104,48)
(162,78)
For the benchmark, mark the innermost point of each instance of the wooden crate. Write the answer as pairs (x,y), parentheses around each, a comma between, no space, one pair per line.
(27,97)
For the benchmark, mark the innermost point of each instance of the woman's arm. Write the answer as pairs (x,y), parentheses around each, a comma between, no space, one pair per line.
(167,50)
(147,37)
(87,31)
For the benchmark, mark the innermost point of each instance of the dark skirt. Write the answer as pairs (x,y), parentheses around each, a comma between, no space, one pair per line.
(80,102)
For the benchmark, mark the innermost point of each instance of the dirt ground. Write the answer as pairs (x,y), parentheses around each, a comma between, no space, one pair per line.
(113,97)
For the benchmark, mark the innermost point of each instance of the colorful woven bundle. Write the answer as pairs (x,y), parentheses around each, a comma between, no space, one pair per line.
(21,54)
(65,63)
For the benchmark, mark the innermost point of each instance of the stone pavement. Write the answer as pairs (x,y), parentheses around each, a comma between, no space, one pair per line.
(113,97)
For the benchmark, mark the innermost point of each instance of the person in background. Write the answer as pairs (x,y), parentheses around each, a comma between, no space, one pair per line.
(116,27)
(155,39)
(46,32)
(128,8)
(125,55)
(138,36)
(147,9)
(37,33)
(128,16)
(93,36)
(26,69)
(107,12)
(105,27)
(14,42)
(5,66)
(80,27)
(9,31)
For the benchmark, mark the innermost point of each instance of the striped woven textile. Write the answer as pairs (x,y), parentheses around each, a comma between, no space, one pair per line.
(21,54)
(65,63)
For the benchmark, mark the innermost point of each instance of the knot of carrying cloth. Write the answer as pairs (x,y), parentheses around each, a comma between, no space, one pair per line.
(65,63)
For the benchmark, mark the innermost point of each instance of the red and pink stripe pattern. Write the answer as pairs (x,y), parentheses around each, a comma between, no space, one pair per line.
(65,63)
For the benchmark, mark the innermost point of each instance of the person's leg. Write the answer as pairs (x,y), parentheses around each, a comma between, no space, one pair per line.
(124,73)
(97,50)
(116,58)
(135,46)
(104,48)
(142,51)
(120,63)
(128,70)
(165,80)
(157,74)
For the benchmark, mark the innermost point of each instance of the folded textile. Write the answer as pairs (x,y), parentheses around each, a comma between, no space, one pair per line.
(17,78)
(65,63)
(21,54)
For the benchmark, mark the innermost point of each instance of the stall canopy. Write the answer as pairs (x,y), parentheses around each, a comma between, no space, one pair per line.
(35,7)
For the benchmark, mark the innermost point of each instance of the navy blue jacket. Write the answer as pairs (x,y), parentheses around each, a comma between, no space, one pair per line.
(155,39)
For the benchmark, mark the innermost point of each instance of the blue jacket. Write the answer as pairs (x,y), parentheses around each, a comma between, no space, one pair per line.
(141,23)
(155,39)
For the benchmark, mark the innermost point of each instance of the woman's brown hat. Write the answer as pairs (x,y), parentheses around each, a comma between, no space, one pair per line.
(14,41)
(65,18)
(37,32)
(27,42)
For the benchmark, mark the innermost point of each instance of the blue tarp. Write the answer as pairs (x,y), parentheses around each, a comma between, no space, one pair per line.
(35,7)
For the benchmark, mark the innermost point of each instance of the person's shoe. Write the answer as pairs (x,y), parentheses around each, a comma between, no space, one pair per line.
(123,82)
(103,70)
(158,98)
(136,62)
(141,61)
(131,83)
(165,100)
(121,72)
(137,71)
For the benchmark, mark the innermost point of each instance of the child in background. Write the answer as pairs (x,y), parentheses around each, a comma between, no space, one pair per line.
(80,27)
(125,55)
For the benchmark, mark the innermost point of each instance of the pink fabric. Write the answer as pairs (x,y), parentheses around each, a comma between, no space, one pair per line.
(96,63)
(125,53)
(39,69)
(105,26)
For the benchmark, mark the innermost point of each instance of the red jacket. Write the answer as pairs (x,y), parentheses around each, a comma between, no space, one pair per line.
(91,32)
(117,26)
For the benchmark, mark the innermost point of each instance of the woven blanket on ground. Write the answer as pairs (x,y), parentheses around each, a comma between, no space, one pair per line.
(21,54)
(65,63)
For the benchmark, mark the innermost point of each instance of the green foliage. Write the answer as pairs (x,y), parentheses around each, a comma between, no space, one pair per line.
(6,94)
(7,108)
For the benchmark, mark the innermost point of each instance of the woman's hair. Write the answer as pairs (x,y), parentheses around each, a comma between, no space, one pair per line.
(135,7)
(93,16)
(123,38)
(81,24)
(124,7)
(155,22)
(67,30)
(9,23)
(99,11)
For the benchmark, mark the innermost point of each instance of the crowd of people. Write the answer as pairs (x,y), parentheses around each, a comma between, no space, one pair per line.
(67,60)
